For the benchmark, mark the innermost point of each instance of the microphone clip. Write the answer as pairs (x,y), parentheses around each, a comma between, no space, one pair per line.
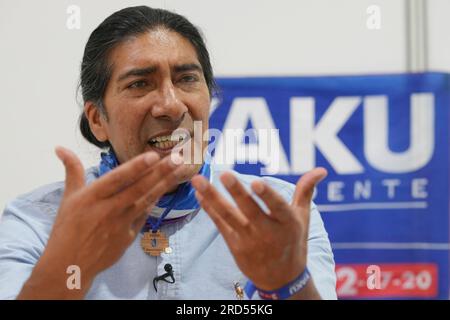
(163,277)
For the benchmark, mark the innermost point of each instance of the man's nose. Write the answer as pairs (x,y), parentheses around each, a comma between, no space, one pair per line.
(169,105)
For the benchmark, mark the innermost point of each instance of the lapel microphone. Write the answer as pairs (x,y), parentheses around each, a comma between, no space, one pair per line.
(163,277)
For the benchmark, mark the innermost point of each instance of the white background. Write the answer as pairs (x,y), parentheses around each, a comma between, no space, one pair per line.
(40,59)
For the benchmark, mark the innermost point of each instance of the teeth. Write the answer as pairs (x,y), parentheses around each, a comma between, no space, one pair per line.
(162,139)
(165,144)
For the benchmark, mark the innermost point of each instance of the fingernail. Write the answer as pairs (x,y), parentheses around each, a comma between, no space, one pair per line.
(228,180)
(176,159)
(199,184)
(198,196)
(150,158)
(258,187)
(58,151)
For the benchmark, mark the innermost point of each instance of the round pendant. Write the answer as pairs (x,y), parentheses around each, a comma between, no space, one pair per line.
(153,243)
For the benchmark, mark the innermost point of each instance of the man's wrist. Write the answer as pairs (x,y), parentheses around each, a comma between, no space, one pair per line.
(50,280)
(281,293)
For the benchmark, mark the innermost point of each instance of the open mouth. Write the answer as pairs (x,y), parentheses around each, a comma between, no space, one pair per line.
(168,142)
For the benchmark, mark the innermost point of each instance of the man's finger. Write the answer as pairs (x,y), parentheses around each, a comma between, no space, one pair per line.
(139,222)
(213,199)
(74,170)
(305,186)
(243,199)
(224,228)
(146,203)
(277,205)
(124,175)
(139,211)
(150,187)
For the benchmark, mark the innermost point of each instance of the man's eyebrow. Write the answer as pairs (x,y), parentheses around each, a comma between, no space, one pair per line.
(188,67)
(137,72)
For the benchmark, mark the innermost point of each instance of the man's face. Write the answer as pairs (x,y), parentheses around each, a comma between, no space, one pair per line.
(156,86)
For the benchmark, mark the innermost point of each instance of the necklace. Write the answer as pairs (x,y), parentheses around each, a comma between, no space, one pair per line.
(154,241)
(174,206)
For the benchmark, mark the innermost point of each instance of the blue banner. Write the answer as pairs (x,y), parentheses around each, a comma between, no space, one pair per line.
(384,140)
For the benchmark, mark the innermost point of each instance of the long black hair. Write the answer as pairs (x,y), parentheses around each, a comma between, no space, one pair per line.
(117,28)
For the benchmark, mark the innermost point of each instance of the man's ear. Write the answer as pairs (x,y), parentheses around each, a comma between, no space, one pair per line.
(97,121)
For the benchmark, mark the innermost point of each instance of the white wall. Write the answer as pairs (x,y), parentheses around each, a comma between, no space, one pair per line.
(439,35)
(39,61)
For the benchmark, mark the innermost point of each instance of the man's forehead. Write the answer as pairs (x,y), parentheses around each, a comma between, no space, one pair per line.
(153,50)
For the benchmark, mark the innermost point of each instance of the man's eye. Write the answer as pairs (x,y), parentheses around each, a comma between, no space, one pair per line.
(189,78)
(138,84)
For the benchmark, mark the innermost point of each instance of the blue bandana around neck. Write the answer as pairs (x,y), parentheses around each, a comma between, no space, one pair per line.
(170,206)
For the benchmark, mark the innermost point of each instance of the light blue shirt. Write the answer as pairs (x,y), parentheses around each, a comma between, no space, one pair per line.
(203,266)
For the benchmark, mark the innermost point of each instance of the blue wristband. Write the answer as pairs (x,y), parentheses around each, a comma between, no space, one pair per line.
(282,293)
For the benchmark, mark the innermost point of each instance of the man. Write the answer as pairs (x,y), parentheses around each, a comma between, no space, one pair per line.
(144,224)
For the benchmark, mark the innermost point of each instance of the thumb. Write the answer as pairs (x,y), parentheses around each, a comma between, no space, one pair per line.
(305,186)
(74,169)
